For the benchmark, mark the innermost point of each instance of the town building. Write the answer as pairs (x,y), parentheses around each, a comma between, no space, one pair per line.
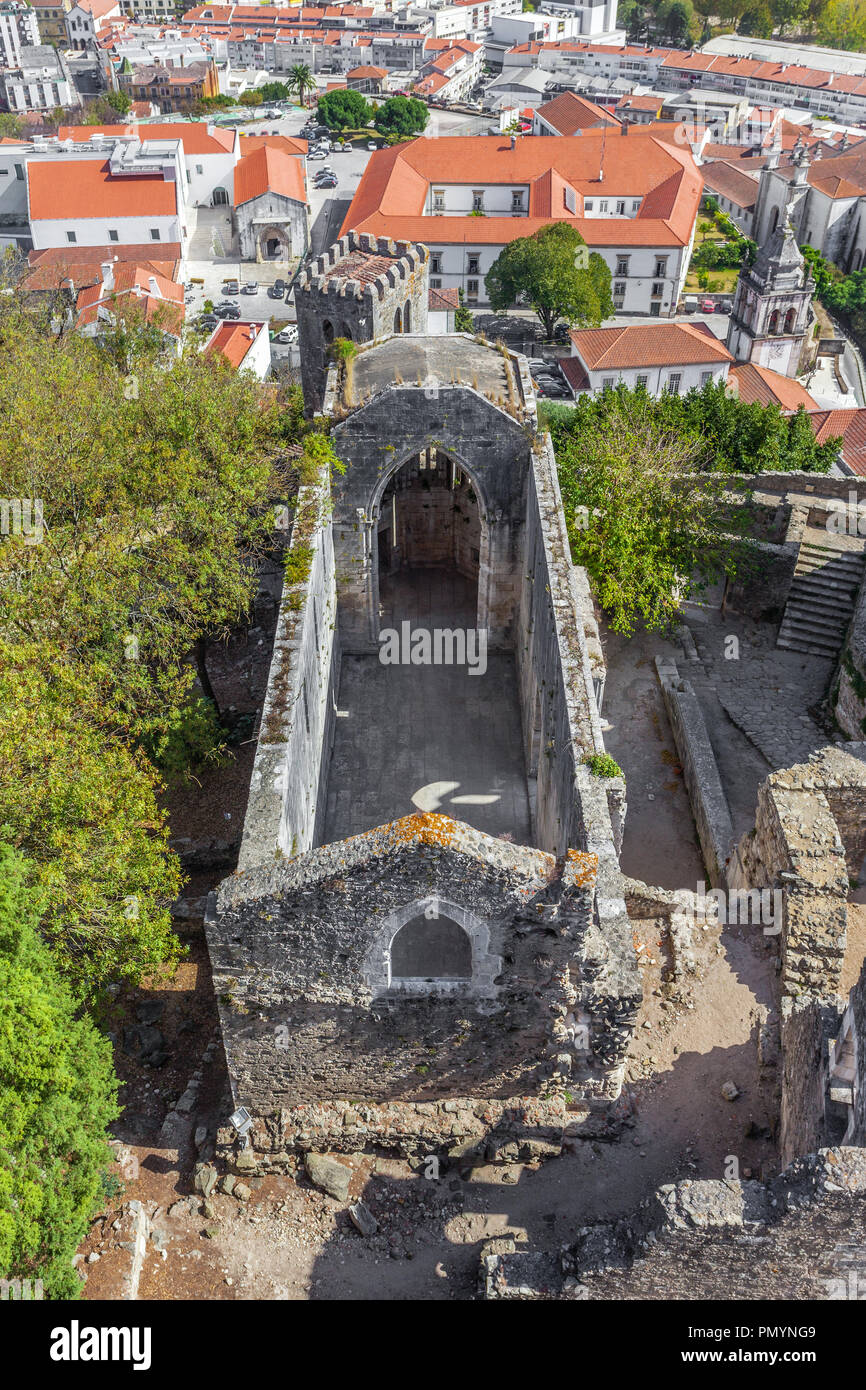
(824,198)
(244,344)
(19,29)
(569,114)
(670,358)
(270,201)
(84,18)
(170,88)
(772,315)
(209,153)
(135,295)
(40,81)
(633,198)
(51,20)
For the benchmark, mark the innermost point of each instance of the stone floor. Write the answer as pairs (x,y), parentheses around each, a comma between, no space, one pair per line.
(430,738)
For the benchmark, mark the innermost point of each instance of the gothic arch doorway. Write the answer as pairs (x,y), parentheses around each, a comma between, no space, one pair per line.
(220,198)
(430,545)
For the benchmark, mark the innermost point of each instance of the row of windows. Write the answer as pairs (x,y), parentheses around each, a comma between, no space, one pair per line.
(672,386)
(113,235)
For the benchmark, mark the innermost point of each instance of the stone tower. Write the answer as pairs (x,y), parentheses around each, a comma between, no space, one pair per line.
(772,311)
(364,288)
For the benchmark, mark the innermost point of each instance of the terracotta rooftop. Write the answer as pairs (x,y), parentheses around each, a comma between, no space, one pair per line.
(86,188)
(392,196)
(443,299)
(196,137)
(850,427)
(649,345)
(766,387)
(569,113)
(60,266)
(269,170)
(730,182)
(233,340)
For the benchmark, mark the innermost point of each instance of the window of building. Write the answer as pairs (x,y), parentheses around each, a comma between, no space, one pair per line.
(154,233)
(431,949)
(19,171)
(635,207)
(661,266)
(602,206)
(658,290)
(71,236)
(642,382)
(619,289)
(478,200)
(471,289)
(112,234)
(472,265)
(436,263)
(435,284)
(588,205)
(517,200)
(620,208)
(622,265)
(608,383)
(706,377)
(438,199)
(674,381)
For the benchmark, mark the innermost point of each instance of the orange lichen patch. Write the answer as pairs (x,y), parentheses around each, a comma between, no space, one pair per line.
(584,867)
(425,828)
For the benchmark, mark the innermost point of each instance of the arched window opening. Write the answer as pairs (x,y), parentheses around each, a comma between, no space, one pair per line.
(790,320)
(398,321)
(774,220)
(407,318)
(328,331)
(431,948)
(774,322)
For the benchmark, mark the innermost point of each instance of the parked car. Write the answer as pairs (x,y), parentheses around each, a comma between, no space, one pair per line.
(328,182)
(288,335)
(227,311)
(708,306)
(207,323)
(724,306)
(231,287)
(251,287)
(373,145)
(316,154)
(691,304)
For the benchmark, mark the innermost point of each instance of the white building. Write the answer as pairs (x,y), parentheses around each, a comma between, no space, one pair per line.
(245,344)
(85,17)
(664,357)
(40,82)
(19,28)
(135,195)
(633,197)
(209,153)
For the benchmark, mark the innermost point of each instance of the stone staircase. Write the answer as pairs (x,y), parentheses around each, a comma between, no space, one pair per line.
(822,596)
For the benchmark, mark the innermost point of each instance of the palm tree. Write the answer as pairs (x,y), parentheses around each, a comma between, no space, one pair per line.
(301,80)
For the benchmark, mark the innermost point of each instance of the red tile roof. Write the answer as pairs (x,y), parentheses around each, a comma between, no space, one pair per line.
(569,113)
(572,370)
(233,341)
(392,195)
(269,170)
(442,299)
(59,266)
(133,292)
(730,182)
(86,188)
(287,144)
(649,345)
(850,427)
(766,387)
(360,72)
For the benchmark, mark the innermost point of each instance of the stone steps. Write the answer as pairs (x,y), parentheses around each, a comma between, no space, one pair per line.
(821,600)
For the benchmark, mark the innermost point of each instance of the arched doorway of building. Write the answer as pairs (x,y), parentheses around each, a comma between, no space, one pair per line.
(429,542)
(220,198)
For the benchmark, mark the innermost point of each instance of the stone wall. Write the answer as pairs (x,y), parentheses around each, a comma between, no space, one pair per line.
(799,1237)
(400,423)
(848,696)
(809,830)
(706,794)
(296,724)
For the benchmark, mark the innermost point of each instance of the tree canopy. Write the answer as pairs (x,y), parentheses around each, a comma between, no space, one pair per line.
(404,116)
(646,531)
(57,1096)
(344,110)
(552,271)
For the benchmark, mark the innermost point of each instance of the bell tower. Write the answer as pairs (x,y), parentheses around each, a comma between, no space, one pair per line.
(772,312)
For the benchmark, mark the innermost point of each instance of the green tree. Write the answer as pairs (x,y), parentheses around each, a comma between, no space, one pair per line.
(252,98)
(645,534)
(119,101)
(677,22)
(11,126)
(842,24)
(58,1094)
(344,110)
(275,91)
(463,320)
(553,272)
(757,21)
(788,14)
(301,81)
(402,116)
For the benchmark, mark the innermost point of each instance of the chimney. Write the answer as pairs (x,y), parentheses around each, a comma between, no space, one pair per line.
(153,287)
(253,331)
(514,142)
(107,269)
(624,128)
